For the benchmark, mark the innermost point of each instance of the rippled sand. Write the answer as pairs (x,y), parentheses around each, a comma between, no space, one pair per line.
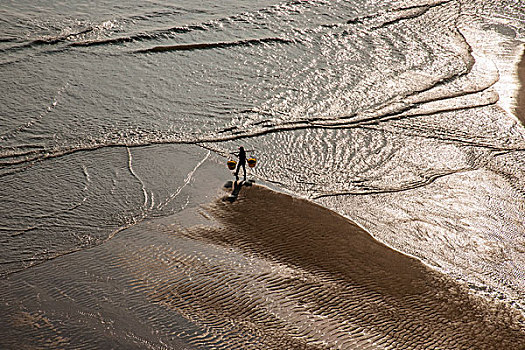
(268,271)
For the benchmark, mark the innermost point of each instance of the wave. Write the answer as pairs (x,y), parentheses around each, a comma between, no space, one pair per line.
(100,33)
(7,40)
(139,37)
(69,39)
(48,40)
(218,45)
(396,15)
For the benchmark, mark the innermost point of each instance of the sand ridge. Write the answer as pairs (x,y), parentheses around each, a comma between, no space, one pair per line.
(347,289)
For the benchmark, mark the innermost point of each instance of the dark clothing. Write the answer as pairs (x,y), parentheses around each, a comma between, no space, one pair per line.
(242,156)
(242,162)
(239,168)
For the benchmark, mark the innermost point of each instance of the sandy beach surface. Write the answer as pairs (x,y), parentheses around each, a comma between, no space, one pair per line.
(520,110)
(389,205)
(268,271)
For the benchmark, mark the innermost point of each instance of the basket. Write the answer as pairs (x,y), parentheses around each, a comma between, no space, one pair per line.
(252,162)
(231,164)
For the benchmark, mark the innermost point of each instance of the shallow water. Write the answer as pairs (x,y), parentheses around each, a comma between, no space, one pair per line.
(398,115)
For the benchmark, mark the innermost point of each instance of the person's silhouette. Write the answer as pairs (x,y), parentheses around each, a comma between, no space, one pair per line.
(242,162)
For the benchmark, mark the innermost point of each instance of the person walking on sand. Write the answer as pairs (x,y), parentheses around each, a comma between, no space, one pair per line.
(242,162)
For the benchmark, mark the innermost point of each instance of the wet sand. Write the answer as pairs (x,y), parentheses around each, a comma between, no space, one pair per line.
(269,271)
(520,108)
(378,294)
